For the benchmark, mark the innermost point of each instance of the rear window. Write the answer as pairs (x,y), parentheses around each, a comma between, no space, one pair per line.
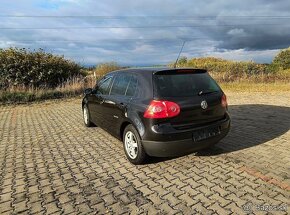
(183,85)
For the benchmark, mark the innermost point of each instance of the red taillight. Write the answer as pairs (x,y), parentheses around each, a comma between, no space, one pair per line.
(162,109)
(224,101)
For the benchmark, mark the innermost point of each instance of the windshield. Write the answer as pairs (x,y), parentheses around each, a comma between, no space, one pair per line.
(184,85)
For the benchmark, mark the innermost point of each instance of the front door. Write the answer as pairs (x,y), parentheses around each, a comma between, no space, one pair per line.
(97,98)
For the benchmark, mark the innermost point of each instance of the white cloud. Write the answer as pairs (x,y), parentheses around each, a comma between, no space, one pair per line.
(245,55)
(237,32)
(144,48)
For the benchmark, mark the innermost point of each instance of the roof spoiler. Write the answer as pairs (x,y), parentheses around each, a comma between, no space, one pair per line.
(179,71)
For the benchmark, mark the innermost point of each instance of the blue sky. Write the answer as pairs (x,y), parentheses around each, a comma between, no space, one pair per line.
(147,32)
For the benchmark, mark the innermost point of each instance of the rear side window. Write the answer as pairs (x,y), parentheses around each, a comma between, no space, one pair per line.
(183,85)
(124,85)
(120,84)
(132,87)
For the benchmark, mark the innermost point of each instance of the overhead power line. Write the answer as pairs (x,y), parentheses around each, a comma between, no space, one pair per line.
(144,16)
(137,39)
(113,39)
(107,39)
(152,26)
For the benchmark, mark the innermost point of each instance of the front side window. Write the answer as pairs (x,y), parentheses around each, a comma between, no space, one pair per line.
(120,84)
(103,86)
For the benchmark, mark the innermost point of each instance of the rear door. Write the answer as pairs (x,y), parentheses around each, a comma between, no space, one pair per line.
(120,95)
(197,94)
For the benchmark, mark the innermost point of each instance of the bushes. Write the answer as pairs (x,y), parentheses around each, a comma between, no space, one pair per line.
(104,68)
(37,69)
(33,76)
(226,66)
(228,71)
(282,60)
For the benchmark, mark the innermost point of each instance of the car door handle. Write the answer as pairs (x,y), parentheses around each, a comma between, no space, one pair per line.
(100,99)
(122,105)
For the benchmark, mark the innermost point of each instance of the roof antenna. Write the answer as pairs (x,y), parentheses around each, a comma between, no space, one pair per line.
(174,66)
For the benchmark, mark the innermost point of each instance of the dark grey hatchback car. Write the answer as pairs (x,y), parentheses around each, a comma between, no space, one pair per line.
(158,112)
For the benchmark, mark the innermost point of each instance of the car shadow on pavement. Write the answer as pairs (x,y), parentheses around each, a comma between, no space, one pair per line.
(251,125)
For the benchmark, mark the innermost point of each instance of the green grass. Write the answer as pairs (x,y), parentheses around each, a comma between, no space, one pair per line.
(255,87)
(21,94)
(18,97)
(26,97)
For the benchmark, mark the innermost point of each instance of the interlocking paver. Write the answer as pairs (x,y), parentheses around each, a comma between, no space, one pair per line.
(51,164)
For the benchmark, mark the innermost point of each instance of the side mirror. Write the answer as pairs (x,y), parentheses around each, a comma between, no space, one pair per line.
(95,89)
(88,91)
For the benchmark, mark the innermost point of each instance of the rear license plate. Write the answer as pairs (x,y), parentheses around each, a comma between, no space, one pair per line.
(205,133)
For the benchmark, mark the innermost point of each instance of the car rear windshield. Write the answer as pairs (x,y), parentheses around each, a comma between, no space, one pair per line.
(183,84)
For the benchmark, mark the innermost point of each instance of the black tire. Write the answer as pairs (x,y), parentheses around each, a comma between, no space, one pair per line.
(141,154)
(88,122)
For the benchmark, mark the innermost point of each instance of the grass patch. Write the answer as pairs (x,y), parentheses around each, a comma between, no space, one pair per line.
(76,86)
(256,87)
(22,94)
(25,97)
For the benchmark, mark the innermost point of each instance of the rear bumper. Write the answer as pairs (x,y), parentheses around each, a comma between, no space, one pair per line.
(185,146)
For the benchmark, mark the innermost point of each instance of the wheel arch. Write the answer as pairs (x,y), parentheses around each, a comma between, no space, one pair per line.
(122,128)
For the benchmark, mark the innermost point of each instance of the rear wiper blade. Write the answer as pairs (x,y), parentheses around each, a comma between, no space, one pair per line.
(203,92)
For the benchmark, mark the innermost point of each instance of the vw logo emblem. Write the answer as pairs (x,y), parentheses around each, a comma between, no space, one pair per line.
(203,104)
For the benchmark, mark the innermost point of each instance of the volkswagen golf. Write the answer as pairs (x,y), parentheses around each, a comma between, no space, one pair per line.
(158,112)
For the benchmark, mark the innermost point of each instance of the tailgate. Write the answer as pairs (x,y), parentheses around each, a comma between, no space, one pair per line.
(189,89)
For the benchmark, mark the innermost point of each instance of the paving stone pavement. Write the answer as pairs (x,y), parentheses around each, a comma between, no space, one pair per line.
(51,164)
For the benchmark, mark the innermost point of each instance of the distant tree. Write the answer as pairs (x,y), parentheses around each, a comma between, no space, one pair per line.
(104,68)
(182,60)
(282,59)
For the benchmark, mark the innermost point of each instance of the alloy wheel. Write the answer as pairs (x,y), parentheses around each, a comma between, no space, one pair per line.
(131,145)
